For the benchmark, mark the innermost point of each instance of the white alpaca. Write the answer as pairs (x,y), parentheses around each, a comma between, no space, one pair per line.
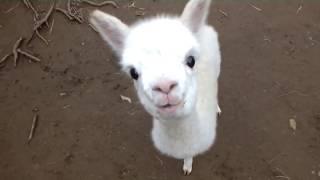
(175,64)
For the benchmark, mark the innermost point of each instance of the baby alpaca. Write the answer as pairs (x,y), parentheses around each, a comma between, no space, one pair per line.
(175,64)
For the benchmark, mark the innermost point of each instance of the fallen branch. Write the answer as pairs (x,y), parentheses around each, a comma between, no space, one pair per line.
(112,3)
(45,18)
(33,127)
(28,4)
(39,23)
(15,53)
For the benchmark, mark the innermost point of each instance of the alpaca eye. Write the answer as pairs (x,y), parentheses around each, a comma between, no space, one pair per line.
(134,74)
(190,61)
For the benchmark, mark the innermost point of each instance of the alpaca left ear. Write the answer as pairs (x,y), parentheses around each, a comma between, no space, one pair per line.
(195,14)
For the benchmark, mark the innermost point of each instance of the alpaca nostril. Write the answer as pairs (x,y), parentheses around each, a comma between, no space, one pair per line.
(157,89)
(173,85)
(165,87)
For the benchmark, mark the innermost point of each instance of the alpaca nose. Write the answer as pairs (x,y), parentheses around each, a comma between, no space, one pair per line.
(165,86)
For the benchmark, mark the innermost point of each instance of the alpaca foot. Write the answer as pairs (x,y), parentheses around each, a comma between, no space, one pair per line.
(187,166)
(219,111)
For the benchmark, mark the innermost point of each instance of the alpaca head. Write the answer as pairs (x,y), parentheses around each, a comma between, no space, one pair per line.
(160,55)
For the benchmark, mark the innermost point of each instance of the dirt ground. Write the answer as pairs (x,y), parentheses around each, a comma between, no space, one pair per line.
(269,74)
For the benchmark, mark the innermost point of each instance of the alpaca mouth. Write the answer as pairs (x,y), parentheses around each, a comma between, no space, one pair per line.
(169,107)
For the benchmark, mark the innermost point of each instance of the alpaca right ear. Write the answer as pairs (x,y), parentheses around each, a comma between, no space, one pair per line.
(195,14)
(111,29)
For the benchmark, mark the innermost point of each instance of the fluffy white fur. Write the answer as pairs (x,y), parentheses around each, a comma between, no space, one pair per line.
(181,99)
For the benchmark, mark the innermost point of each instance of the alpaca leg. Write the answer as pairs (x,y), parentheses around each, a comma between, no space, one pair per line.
(187,166)
(219,110)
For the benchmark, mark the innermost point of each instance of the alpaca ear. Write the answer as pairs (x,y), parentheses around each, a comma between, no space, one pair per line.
(195,13)
(110,28)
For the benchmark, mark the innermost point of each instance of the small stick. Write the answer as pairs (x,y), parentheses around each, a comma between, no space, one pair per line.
(5,58)
(51,28)
(294,91)
(133,5)
(33,127)
(14,51)
(299,9)
(283,175)
(42,38)
(65,13)
(29,55)
(112,3)
(223,13)
(11,9)
(140,13)
(93,27)
(255,7)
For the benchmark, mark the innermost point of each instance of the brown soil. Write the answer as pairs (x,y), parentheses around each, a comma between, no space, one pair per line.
(270,74)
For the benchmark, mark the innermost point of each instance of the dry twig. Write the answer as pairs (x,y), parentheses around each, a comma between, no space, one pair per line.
(11,9)
(140,13)
(125,98)
(283,175)
(299,9)
(33,127)
(255,7)
(31,57)
(42,38)
(133,5)
(51,28)
(223,13)
(5,58)
(14,51)
(112,3)
(65,13)
(294,92)
(93,27)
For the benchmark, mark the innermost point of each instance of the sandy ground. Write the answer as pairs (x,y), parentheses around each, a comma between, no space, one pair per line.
(269,74)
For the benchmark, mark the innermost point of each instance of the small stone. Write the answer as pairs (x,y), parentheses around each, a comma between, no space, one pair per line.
(35,109)
(62,94)
(125,98)
(82,44)
(293,124)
